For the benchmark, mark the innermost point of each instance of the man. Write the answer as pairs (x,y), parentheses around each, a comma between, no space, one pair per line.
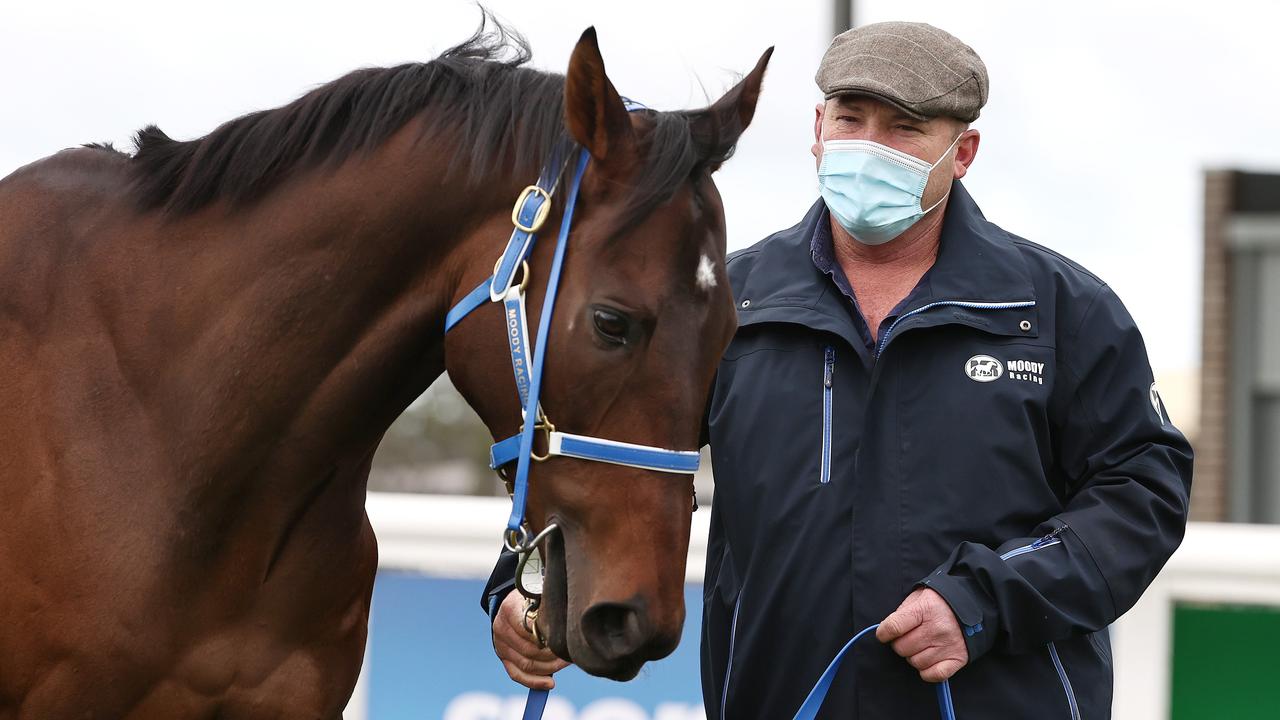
(927,422)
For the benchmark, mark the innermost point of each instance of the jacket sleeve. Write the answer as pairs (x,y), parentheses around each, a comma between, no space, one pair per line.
(1127,471)
(501,582)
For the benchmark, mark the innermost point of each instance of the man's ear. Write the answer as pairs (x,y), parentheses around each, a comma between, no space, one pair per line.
(593,111)
(718,128)
(966,151)
(818,111)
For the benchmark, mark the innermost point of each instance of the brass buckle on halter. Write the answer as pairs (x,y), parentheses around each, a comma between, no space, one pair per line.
(539,217)
(544,424)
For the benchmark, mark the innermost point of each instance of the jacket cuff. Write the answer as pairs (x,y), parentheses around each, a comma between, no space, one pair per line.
(496,596)
(501,581)
(972,607)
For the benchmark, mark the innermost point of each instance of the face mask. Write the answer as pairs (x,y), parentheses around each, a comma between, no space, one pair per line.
(874,191)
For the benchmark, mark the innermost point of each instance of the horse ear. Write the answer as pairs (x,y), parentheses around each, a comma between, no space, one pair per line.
(593,110)
(719,126)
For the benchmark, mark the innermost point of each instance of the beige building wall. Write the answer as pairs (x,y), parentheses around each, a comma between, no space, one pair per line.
(1209,485)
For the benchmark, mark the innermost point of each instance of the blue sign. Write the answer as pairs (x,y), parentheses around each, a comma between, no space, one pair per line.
(431,656)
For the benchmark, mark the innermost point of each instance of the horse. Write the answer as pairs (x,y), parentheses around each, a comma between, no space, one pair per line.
(204,342)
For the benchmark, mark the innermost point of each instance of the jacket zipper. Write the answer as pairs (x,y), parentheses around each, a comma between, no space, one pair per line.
(954,303)
(1066,683)
(1044,542)
(733,637)
(828,368)
(1048,541)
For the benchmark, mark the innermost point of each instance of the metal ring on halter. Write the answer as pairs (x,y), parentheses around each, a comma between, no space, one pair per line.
(524,273)
(530,614)
(533,630)
(544,424)
(520,534)
(524,544)
(539,217)
(530,622)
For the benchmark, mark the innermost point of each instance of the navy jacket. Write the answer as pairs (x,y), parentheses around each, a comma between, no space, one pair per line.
(1005,446)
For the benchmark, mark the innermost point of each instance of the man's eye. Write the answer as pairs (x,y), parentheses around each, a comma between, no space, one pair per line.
(910,128)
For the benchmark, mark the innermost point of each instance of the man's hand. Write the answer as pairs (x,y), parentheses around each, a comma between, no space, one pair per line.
(925,632)
(526,663)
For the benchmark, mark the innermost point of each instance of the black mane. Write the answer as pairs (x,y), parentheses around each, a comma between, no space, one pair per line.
(501,111)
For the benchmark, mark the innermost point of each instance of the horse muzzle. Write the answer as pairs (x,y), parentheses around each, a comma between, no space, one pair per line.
(610,638)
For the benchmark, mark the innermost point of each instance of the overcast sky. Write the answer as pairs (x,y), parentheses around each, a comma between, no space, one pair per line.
(1102,117)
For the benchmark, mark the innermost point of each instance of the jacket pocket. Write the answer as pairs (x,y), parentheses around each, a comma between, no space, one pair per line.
(828,371)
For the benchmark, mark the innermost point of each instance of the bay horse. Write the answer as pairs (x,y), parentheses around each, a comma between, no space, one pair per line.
(204,341)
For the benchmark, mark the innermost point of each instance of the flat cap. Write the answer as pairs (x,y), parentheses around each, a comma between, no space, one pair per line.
(924,71)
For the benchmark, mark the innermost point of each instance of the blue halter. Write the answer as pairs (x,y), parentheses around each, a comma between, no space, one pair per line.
(530,212)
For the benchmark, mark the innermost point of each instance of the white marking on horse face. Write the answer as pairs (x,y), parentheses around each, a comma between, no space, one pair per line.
(706,274)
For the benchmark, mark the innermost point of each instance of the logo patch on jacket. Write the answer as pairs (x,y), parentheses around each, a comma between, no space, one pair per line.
(1026,370)
(983,368)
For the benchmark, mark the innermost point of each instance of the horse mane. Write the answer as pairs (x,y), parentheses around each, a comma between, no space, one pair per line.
(502,112)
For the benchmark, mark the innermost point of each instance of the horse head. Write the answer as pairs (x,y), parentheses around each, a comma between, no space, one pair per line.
(641,318)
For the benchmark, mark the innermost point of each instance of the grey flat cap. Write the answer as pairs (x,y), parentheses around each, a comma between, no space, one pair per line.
(922,70)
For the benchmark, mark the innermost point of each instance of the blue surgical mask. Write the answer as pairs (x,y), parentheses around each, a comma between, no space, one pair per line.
(872,190)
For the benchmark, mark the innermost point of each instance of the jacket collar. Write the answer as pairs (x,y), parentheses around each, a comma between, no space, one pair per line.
(977,260)
(977,263)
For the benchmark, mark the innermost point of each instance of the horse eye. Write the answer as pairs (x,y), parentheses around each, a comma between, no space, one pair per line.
(613,327)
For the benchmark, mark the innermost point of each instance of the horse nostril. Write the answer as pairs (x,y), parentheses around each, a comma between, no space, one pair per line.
(614,630)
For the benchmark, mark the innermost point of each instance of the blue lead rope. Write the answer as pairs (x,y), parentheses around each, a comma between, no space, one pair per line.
(536,703)
(812,704)
(809,710)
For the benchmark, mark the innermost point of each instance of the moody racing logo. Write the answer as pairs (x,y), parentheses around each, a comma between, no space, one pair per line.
(515,338)
(1026,370)
(985,369)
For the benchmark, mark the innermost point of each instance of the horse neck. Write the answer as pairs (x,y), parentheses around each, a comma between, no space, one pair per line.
(309,321)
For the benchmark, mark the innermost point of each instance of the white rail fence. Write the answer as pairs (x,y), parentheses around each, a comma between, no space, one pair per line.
(456,537)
